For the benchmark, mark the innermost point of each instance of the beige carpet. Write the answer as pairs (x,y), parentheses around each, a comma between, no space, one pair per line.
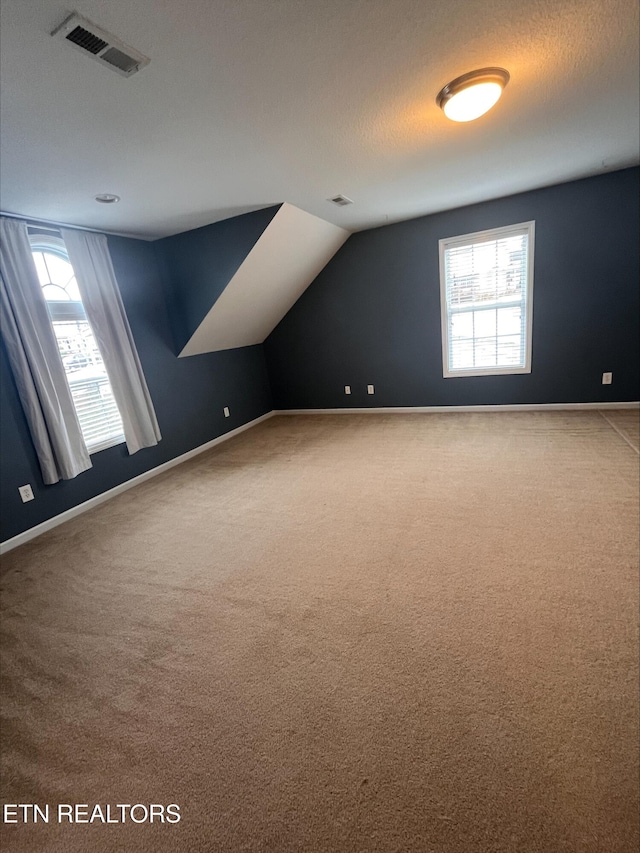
(362,634)
(626,422)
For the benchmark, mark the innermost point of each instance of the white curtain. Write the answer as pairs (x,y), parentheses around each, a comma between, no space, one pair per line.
(91,262)
(35,360)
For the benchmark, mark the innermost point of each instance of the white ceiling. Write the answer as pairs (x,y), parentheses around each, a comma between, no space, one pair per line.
(247,103)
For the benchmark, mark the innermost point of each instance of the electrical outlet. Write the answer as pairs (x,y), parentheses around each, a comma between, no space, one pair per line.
(347,389)
(607,378)
(370,389)
(26,493)
(226,411)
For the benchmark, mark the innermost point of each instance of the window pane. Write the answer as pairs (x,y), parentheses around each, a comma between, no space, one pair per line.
(485,352)
(509,320)
(484,323)
(462,355)
(61,271)
(77,346)
(97,411)
(462,325)
(488,270)
(509,351)
(43,275)
(96,408)
(462,288)
(53,293)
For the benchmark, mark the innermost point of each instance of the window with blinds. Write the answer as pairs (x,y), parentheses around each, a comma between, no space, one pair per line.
(486,284)
(95,406)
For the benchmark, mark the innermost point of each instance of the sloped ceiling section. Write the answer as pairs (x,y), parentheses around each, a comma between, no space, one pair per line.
(199,264)
(292,250)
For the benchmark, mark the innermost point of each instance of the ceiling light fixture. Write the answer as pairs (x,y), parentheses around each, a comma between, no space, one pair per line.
(473,94)
(107,198)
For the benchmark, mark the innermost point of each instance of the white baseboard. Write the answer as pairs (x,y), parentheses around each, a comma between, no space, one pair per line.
(32,532)
(519,407)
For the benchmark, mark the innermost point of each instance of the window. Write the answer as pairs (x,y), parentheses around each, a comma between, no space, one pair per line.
(486,284)
(96,408)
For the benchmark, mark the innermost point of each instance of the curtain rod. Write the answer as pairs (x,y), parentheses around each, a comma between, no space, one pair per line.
(50,225)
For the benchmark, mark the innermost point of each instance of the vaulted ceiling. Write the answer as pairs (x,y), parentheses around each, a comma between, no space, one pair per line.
(249,103)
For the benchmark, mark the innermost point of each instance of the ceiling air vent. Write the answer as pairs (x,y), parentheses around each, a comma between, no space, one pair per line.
(86,40)
(100,45)
(340,200)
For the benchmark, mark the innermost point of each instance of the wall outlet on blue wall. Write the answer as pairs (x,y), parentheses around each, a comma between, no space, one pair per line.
(370,389)
(607,378)
(26,493)
(347,389)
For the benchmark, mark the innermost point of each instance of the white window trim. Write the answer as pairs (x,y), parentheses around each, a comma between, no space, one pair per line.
(52,243)
(465,240)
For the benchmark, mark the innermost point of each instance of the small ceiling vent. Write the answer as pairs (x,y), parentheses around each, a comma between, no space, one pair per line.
(100,45)
(341,200)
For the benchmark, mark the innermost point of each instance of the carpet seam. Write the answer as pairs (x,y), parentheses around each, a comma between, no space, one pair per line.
(620,433)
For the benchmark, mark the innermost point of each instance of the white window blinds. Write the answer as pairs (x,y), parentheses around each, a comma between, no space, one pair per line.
(89,384)
(96,408)
(486,282)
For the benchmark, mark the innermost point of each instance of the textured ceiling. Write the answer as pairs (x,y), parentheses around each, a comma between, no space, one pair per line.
(248,103)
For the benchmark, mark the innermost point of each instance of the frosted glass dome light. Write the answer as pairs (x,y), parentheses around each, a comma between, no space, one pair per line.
(472,95)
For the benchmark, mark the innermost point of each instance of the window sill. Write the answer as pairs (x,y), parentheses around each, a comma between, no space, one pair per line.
(448,374)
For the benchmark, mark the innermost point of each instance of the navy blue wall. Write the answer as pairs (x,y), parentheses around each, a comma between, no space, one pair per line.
(201,263)
(373,314)
(188,393)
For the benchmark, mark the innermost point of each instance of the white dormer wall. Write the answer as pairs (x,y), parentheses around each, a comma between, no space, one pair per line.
(287,257)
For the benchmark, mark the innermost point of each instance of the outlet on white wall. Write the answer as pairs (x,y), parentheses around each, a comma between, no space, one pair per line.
(607,378)
(370,389)
(347,389)
(226,411)
(26,493)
